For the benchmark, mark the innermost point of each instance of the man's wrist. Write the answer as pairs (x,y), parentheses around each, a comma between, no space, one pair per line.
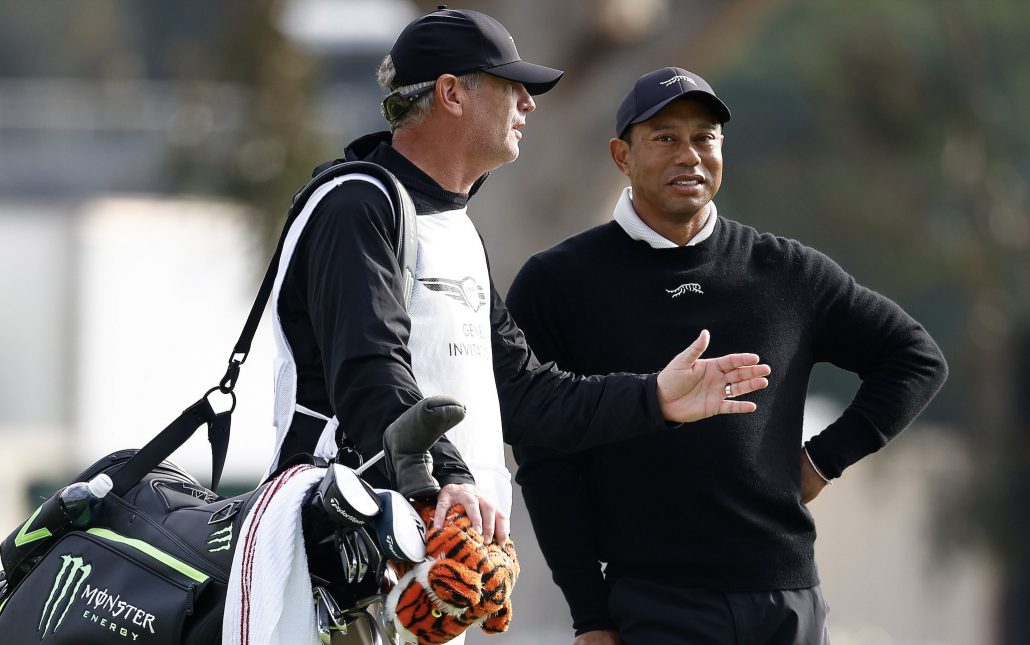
(654,404)
(816,468)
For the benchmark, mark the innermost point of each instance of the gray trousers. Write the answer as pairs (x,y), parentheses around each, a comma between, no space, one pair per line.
(652,612)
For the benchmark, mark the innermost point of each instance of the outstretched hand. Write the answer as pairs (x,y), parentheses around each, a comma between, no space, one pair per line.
(691,388)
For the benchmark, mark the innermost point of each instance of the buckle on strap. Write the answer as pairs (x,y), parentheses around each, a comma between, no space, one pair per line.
(228,382)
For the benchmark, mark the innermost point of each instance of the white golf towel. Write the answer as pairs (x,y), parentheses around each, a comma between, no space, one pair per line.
(269,597)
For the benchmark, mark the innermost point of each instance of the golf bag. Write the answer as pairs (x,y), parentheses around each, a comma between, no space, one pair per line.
(152,566)
(152,563)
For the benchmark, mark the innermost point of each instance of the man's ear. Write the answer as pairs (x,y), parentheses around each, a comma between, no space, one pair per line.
(619,150)
(450,94)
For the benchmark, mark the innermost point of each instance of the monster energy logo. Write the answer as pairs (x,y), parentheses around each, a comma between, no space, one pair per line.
(218,537)
(113,605)
(73,573)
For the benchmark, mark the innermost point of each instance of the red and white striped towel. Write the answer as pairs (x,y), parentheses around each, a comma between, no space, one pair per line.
(269,597)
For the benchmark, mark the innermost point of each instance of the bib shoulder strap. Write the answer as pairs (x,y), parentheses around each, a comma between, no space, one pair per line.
(201,412)
(405,242)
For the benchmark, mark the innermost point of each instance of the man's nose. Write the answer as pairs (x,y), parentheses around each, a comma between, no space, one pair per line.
(526,103)
(686,155)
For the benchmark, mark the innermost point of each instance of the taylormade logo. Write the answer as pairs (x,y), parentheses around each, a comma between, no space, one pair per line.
(336,507)
(679,77)
(74,571)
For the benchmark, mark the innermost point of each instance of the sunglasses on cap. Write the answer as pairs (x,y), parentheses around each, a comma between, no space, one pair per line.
(399,102)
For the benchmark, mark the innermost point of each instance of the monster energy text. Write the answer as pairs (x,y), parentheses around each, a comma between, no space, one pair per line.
(109,624)
(129,615)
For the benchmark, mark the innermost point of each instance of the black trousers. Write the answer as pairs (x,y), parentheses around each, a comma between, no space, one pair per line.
(659,612)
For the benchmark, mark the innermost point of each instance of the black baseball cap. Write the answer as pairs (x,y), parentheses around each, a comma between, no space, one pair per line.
(656,89)
(459,41)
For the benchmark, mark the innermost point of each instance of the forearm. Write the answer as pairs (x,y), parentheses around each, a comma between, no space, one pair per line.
(901,369)
(355,296)
(369,394)
(543,406)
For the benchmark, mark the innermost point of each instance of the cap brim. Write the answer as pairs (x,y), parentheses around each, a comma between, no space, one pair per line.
(721,111)
(536,78)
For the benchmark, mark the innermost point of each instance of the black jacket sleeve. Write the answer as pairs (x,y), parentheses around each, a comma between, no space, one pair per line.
(543,406)
(553,483)
(899,363)
(359,321)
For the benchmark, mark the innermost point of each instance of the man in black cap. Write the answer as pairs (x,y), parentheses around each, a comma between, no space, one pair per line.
(705,533)
(353,355)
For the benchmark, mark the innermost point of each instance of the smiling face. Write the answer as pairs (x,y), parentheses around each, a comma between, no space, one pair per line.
(674,163)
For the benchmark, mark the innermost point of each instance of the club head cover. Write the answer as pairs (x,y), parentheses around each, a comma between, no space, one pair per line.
(401,532)
(346,499)
(408,439)
(461,583)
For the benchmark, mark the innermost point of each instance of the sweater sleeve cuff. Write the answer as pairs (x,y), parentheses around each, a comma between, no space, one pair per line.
(844,442)
(605,624)
(454,477)
(448,466)
(586,592)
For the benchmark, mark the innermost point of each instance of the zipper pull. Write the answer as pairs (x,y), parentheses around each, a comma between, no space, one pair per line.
(190,592)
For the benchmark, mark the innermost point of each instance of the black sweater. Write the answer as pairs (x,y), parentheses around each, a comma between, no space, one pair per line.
(342,310)
(715,504)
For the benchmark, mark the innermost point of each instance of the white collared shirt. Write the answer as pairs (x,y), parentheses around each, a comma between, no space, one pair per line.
(627,218)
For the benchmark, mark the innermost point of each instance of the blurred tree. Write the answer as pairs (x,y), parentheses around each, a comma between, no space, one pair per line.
(263,155)
(234,97)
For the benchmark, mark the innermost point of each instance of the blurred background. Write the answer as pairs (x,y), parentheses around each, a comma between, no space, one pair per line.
(149,150)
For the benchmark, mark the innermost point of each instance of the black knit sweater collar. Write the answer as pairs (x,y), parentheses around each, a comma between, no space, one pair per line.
(695,253)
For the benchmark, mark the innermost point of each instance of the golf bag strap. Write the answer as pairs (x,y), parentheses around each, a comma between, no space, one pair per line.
(405,242)
(200,413)
(218,436)
(165,443)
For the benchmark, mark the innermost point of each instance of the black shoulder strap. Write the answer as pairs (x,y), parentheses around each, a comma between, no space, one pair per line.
(172,437)
(406,244)
(164,444)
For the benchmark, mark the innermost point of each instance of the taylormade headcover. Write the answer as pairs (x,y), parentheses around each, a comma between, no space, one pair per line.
(401,532)
(347,500)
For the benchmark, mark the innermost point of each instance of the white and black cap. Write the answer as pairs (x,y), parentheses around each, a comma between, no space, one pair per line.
(656,89)
(459,41)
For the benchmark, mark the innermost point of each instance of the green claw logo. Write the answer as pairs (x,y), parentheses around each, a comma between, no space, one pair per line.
(218,537)
(74,571)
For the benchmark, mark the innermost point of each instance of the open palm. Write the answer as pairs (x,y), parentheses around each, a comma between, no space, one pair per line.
(691,388)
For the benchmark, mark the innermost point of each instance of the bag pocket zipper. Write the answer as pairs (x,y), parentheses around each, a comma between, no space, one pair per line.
(192,556)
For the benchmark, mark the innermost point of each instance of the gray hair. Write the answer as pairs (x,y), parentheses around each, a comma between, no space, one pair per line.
(420,108)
